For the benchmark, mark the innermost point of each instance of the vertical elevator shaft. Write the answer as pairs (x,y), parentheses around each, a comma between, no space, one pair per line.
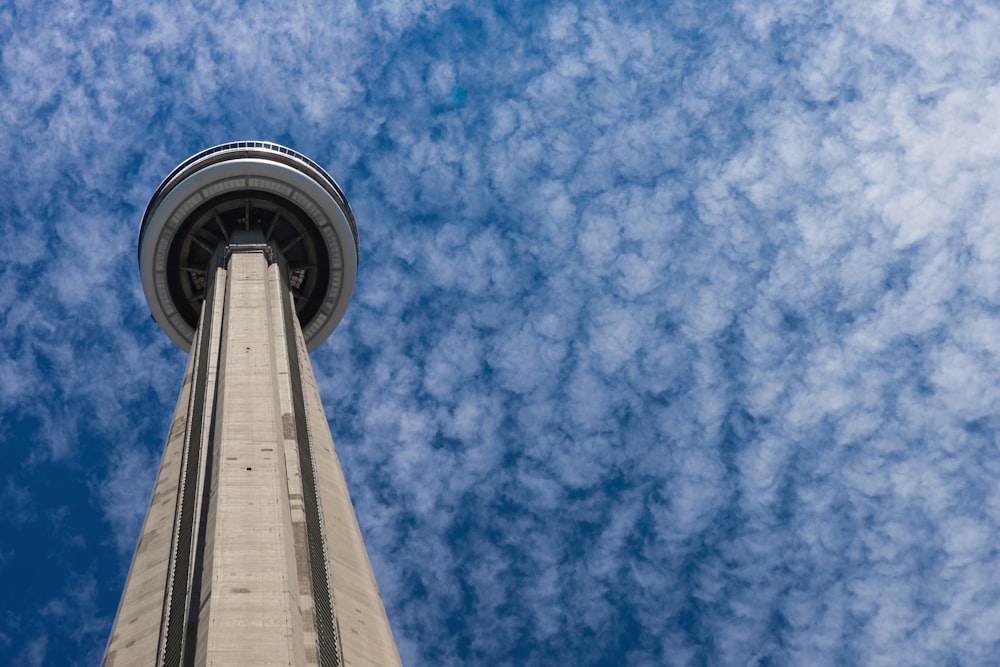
(250,553)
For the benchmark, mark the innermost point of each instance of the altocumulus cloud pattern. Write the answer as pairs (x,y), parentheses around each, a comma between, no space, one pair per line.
(675,338)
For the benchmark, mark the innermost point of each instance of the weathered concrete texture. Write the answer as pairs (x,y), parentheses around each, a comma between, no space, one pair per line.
(136,629)
(364,629)
(249,566)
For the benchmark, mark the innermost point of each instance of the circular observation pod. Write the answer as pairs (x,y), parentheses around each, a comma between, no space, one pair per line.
(248,185)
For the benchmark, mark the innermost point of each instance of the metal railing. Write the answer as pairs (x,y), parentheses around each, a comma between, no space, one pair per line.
(267,149)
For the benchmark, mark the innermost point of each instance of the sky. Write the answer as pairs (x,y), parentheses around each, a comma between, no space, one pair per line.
(675,334)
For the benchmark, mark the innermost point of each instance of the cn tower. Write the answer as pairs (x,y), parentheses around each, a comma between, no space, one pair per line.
(250,552)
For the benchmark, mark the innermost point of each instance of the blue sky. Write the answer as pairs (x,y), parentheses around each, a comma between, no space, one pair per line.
(674,341)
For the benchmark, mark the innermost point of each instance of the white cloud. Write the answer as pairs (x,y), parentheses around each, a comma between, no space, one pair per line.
(674,336)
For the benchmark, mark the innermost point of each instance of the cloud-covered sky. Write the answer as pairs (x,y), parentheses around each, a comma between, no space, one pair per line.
(675,339)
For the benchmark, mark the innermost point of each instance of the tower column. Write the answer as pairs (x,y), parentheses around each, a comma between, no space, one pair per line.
(248,606)
(267,561)
(250,553)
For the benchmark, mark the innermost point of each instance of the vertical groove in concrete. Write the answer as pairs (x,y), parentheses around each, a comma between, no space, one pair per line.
(365,635)
(203,528)
(250,483)
(136,629)
(288,397)
(323,603)
(176,607)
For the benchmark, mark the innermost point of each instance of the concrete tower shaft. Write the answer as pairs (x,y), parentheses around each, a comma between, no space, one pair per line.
(250,552)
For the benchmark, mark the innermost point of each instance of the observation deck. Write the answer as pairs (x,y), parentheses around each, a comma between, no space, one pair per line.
(248,187)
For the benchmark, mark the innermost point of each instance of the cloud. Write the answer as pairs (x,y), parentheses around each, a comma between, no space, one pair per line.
(673,337)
